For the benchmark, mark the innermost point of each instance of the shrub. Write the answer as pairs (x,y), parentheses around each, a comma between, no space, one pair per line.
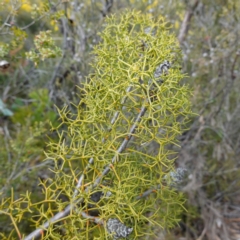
(113,169)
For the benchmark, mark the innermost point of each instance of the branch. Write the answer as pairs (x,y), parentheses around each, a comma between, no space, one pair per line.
(59,216)
(185,24)
(176,180)
(38,232)
(90,162)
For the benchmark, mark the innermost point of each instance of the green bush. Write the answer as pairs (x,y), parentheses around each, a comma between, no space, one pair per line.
(113,170)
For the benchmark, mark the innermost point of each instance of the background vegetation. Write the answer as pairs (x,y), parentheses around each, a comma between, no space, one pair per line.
(208,32)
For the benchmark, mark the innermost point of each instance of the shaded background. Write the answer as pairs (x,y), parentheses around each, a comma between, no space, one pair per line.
(208,31)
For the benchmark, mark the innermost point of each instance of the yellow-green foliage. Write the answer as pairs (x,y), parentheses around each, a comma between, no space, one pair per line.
(124,101)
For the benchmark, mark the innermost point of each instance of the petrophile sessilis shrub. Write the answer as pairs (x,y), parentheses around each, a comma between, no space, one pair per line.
(112,162)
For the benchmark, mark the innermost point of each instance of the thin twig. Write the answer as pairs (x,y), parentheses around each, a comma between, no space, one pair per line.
(148,192)
(185,24)
(59,216)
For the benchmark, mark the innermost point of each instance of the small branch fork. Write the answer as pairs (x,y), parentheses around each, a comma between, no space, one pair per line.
(59,216)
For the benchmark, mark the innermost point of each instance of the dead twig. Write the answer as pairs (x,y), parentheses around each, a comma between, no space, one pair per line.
(185,24)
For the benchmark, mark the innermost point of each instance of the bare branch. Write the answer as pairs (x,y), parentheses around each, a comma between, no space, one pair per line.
(186,21)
